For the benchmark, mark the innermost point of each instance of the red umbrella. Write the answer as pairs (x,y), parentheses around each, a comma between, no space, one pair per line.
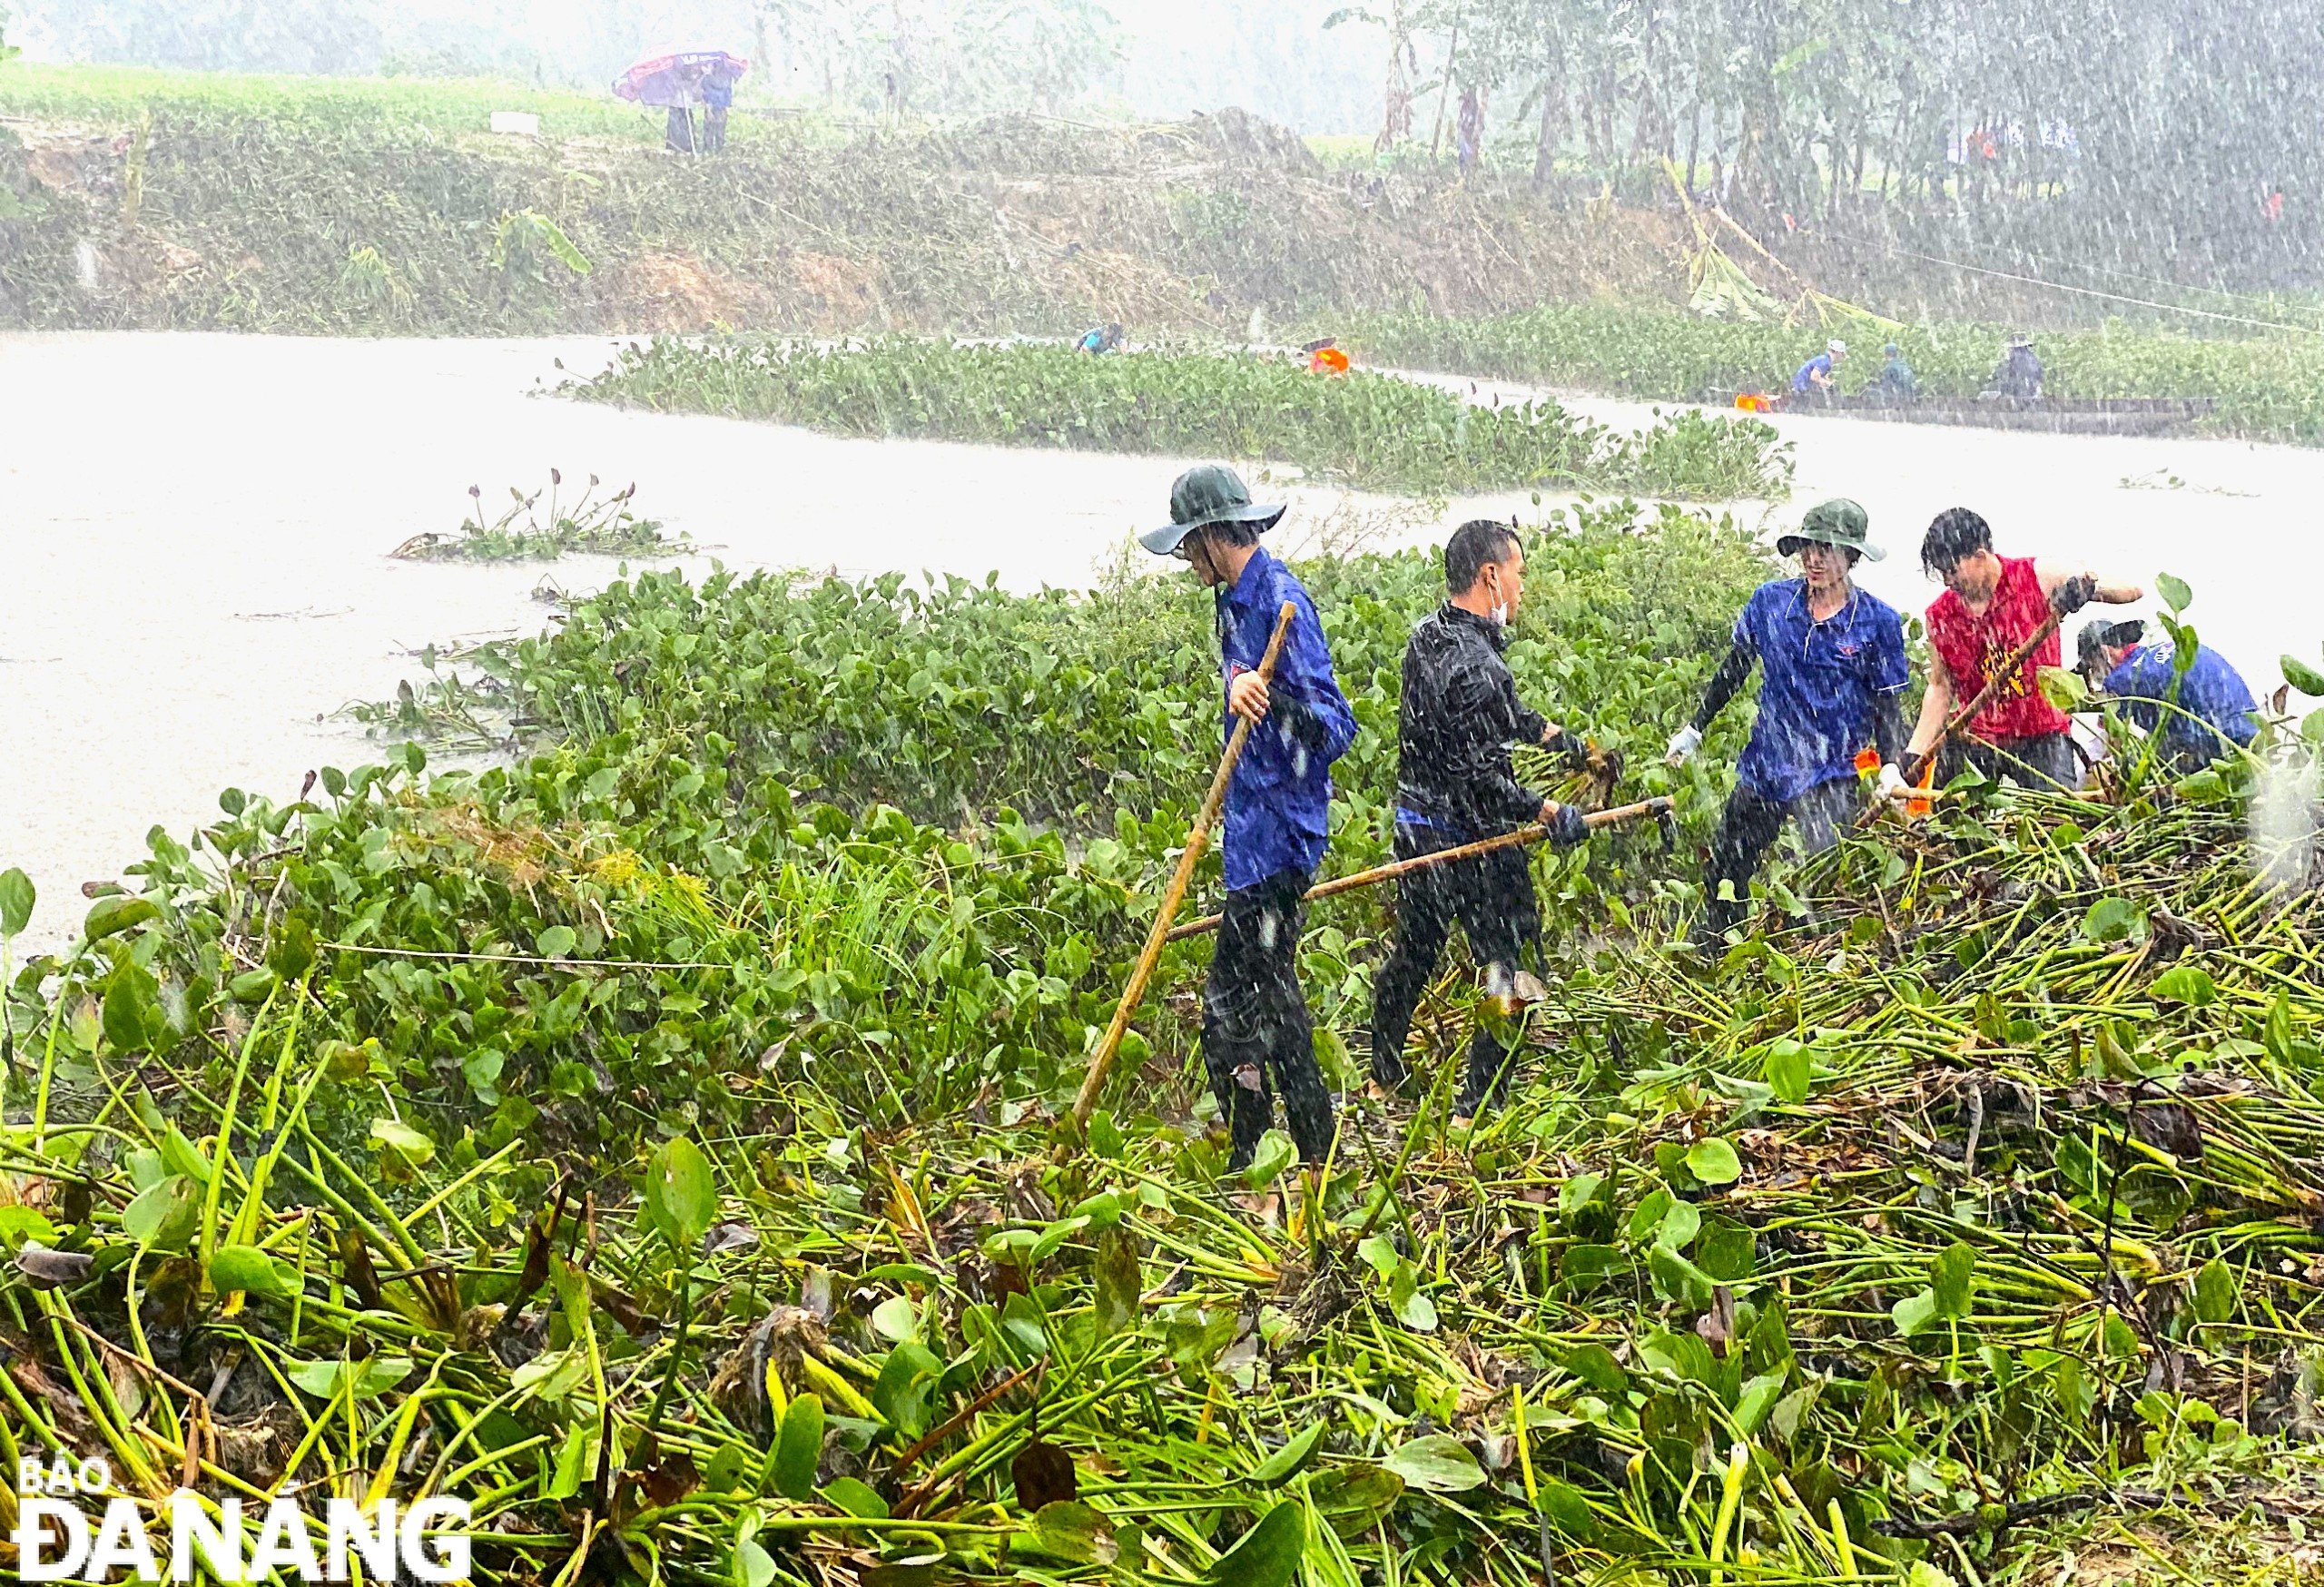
(673,77)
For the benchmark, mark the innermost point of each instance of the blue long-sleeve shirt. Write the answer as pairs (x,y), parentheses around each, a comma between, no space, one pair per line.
(1281,792)
(2213,691)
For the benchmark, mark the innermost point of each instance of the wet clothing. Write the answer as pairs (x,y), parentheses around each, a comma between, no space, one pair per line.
(1491,895)
(679,135)
(2215,704)
(1825,689)
(1971,646)
(1455,784)
(1281,792)
(1806,382)
(1459,715)
(2019,375)
(1750,823)
(1897,382)
(2045,758)
(1257,1037)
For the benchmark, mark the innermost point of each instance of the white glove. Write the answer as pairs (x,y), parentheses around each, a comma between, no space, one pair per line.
(1683,744)
(1892,784)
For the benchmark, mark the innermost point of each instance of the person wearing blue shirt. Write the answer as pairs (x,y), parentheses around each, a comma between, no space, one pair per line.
(2193,720)
(717,98)
(1255,1022)
(1815,377)
(1833,676)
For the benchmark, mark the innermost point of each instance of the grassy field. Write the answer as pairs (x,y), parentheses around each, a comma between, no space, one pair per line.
(116,95)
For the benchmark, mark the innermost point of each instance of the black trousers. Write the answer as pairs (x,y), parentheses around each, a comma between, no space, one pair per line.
(1750,823)
(1491,896)
(1255,1022)
(2046,760)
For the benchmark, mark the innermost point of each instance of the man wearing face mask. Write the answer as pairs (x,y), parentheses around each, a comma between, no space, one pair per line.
(1833,669)
(1459,715)
(1254,1016)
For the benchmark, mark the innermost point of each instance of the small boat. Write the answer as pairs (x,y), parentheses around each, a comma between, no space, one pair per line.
(2055,414)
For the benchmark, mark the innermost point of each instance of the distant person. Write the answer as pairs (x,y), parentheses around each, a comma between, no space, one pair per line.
(2193,719)
(1814,378)
(717,98)
(679,138)
(1992,605)
(2019,375)
(1469,132)
(1103,338)
(1896,383)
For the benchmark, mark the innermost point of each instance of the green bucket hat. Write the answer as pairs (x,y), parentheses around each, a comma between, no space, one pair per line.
(1838,522)
(1211,493)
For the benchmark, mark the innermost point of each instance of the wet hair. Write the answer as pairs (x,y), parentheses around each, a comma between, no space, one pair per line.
(1234,533)
(1472,545)
(1793,545)
(1955,533)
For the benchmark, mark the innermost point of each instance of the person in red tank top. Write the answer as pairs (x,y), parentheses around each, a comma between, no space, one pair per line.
(1991,607)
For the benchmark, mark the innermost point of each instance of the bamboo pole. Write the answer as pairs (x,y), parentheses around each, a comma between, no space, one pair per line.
(1533,833)
(1101,1062)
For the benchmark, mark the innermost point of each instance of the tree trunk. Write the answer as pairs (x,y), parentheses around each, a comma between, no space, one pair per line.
(1545,148)
(1444,90)
(1694,143)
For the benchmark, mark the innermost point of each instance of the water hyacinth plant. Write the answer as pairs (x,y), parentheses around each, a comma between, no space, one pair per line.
(2265,386)
(1365,429)
(651,1142)
(529,530)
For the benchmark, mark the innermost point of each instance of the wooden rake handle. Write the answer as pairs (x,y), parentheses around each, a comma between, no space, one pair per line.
(1101,1061)
(1533,833)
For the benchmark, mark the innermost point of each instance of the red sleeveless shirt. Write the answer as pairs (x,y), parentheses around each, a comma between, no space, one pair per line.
(1970,646)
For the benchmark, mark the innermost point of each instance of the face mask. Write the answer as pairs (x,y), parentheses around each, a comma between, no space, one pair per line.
(1501,614)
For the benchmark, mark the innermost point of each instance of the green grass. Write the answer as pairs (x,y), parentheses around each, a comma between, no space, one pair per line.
(119,95)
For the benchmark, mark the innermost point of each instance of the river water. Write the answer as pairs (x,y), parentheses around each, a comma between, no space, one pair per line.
(196,527)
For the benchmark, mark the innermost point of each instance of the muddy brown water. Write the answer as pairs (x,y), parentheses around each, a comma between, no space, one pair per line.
(196,531)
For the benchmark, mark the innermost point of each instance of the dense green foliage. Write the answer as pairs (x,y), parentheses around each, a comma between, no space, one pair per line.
(647,1138)
(2111,133)
(2265,387)
(1367,430)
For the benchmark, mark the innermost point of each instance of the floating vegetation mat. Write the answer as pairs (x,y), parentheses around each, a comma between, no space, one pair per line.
(1365,429)
(650,1143)
(529,530)
(2268,385)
